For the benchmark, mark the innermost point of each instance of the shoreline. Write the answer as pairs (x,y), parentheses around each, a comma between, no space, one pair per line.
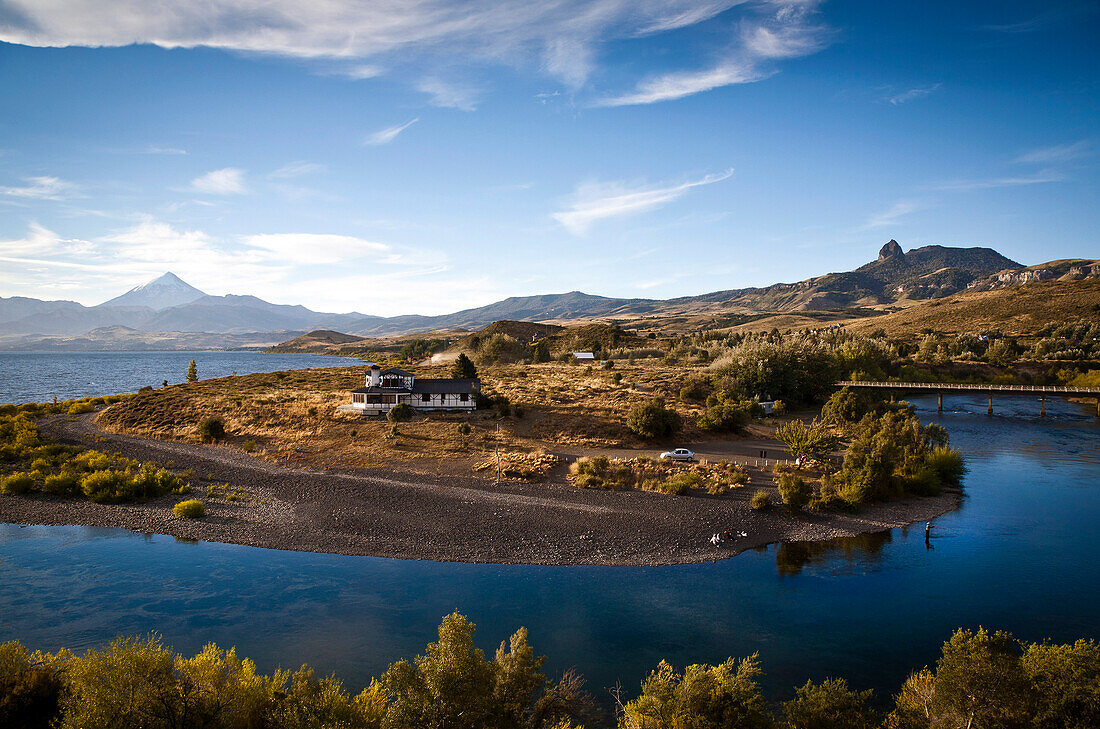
(403,515)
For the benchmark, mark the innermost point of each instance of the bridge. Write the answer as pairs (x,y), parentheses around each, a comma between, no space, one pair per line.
(940,387)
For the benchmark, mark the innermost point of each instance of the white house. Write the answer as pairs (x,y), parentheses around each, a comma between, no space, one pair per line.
(584,355)
(385,388)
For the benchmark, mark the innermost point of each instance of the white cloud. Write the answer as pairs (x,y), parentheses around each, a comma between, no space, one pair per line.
(40,188)
(227,181)
(596,201)
(38,241)
(515,32)
(1056,153)
(449,95)
(313,248)
(152,149)
(673,86)
(892,216)
(913,94)
(787,33)
(1039,178)
(387,135)
(296,169)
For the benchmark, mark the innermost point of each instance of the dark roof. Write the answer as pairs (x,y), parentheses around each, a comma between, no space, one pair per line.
(446,386)
(398,372)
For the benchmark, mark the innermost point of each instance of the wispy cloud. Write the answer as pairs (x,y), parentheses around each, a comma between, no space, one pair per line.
(789,32)
(40,188)
(153,149)
(1056,153)
(226,181)
(913,94)
(1039,178)
(387,135)
(296,169)
(449,94)
(891,216)
(595,201)
(560,38)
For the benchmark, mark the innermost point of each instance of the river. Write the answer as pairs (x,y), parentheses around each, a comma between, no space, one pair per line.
(1021,554)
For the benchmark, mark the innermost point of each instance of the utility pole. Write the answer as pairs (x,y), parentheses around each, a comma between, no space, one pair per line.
(498,455)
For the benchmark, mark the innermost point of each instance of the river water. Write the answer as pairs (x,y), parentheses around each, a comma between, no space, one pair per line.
(1021,554)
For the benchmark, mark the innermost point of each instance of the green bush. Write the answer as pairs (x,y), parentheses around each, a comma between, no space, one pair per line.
(79,408)
(652,419)
(761,500)
(19,482)
(726,416)
(106,485)
(948,464)
(64,483)
(250,445)
(795,492)
(190,509)
(696,387)
(681,483)
(212,429)
(400,413)
(464,429)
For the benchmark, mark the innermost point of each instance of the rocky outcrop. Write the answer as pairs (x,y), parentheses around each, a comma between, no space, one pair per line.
(891,251)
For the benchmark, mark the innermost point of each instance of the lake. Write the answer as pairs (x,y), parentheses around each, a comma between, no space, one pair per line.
(42,376)
(1021,554)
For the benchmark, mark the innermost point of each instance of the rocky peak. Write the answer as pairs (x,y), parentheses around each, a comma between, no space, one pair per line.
(890,250)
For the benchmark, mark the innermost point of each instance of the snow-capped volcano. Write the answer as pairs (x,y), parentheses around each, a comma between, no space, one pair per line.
(163,292)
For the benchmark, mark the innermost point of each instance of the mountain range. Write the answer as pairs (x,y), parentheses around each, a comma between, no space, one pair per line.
(169,305)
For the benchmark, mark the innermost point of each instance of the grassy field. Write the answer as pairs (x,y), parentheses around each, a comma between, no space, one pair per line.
(291,416)
(1017,311)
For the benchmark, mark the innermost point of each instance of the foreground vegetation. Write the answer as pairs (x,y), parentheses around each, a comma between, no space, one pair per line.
(982,680)
(29,462)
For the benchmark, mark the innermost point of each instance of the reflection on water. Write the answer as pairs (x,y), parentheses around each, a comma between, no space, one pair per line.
(857,551)
(1021,555)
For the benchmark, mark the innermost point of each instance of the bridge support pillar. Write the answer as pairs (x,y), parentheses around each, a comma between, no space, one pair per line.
(990,410)
(939,408)
(1042,406)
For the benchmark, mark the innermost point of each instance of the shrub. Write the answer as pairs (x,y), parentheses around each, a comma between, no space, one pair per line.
(192,372)
(62,483)
(212,429)
(726,416)
(761,500)
(400,413)
(681,483)
(394,432)
(811,442)
(464,429)
(947,463)
(652,419)
(190,509)
(19,482)
(250,445)
(106,485)
(794,491)
(79,408)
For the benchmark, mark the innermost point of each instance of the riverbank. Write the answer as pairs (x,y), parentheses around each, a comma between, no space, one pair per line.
(389,513)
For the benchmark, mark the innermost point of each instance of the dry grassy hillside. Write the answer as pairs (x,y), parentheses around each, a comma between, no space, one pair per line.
(291,415)
(1017,311)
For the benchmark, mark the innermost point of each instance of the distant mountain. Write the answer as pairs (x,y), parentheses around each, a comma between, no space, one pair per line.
(163,292)
(168,304)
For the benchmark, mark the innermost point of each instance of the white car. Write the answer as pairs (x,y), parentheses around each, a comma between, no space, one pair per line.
(680,454)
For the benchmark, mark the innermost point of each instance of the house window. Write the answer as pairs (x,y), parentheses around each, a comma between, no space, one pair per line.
(426,397)
(464,397)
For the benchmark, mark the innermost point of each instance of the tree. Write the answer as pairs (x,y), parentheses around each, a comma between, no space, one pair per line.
(652,419)
(795,492)
(829,705)
(813,442)
(703,697)
(192,372)
(980,681)
(1065,680)
(463,368)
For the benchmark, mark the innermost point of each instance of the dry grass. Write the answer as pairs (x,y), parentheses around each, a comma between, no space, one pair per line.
(1017,310)
(291,416)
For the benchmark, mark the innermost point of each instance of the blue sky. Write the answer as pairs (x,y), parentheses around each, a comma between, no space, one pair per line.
(423,156)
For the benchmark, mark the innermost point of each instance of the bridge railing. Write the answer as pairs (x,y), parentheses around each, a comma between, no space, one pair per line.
(1051,389)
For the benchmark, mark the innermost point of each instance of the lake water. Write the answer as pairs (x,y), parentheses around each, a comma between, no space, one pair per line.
(1022,554)
(42,376)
